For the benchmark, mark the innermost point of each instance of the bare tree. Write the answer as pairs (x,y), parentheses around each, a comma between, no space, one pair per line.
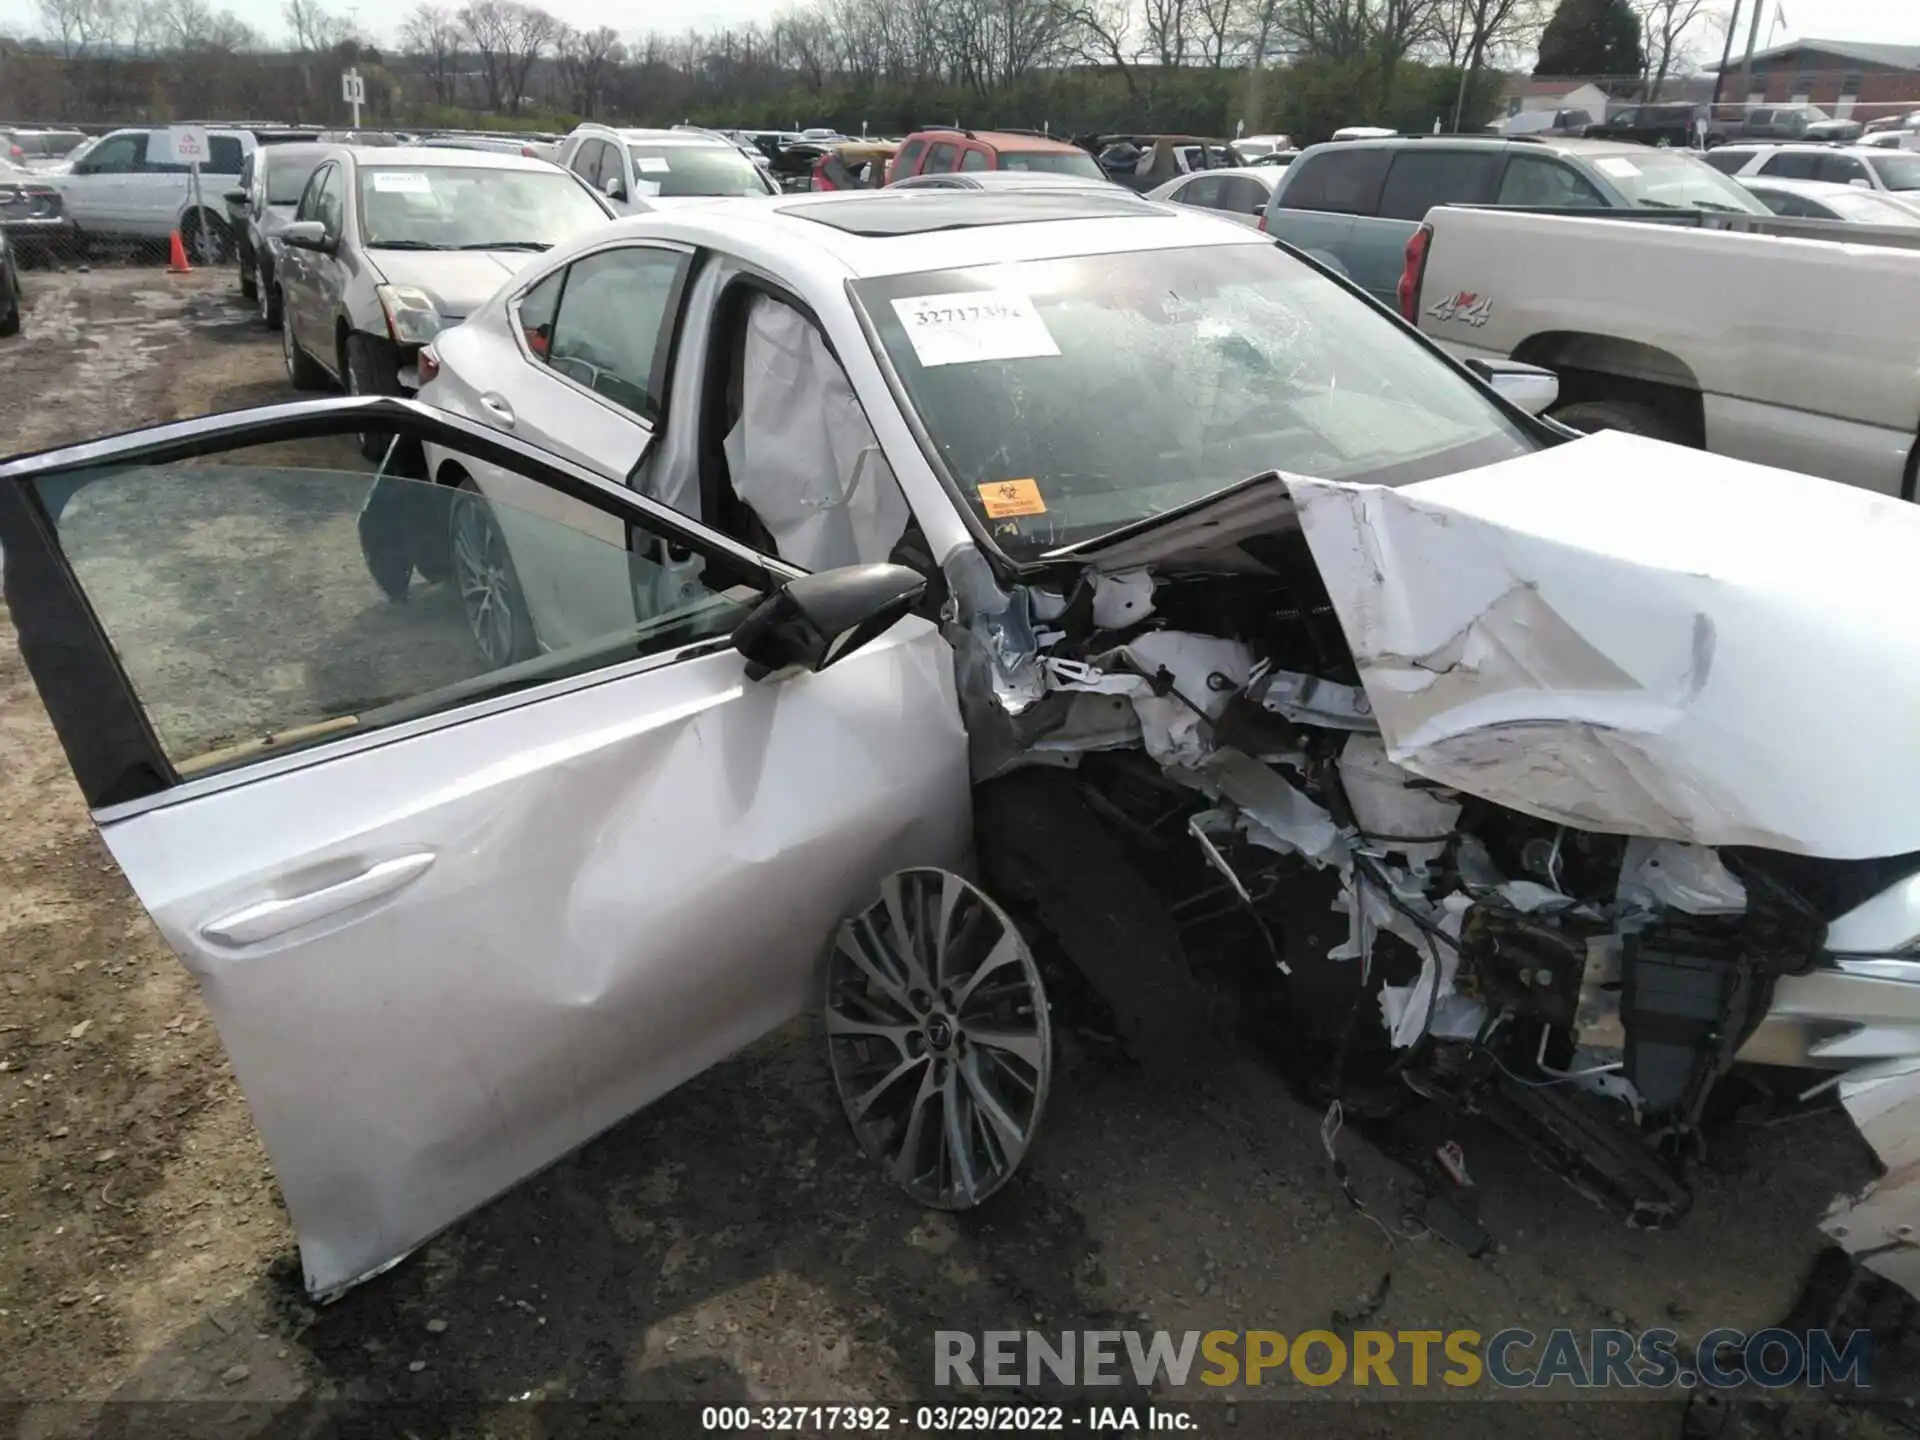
(431,35)
(486,25)
(530,30)
(313,26)
(1471,31)
(587,61)
(1665,24)
(76,25)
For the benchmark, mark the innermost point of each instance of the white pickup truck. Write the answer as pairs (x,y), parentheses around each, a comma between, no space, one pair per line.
(1787,342)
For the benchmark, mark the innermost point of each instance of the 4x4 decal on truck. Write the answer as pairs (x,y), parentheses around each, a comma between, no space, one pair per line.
(1463,305)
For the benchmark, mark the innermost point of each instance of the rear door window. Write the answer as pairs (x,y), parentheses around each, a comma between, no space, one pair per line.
(224,154)
(940,157)
(1204,191)
(1728,164)
(1421,179)
(1842,169)
(972,159)
(1344,181)
(1793,165)
(1241,195)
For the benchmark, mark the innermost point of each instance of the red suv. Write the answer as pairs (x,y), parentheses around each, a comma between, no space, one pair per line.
(932,152)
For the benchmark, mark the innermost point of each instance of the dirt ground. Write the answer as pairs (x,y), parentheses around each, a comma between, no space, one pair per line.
(730,1244)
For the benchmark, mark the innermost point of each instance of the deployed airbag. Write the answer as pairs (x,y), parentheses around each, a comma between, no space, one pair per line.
(802,455)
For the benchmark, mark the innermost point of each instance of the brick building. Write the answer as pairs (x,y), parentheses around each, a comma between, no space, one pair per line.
(1836,75)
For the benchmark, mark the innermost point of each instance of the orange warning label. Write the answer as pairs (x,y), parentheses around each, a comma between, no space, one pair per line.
(1005,499)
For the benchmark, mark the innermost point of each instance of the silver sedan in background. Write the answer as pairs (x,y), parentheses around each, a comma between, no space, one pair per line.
(1239,193)
(390,246)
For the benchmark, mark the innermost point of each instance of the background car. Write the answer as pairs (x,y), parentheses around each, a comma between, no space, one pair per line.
(1894,171)
(1826,200)
(637,170)
(122,189)
(272,179)
(1569,120)
(1241,194)
(388,247)
(1664,126)
(1354,204)
(1143,162)
(1779,122)
(39,149)
(33,215)
(1251,148)
(1018,181)
(935,152)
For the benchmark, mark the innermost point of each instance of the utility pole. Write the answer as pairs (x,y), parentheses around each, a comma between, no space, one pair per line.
(1726,52)
(1753,40)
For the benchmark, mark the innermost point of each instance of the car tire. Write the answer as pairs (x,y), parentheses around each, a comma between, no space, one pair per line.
(267,297)
(10,312)
(370,367)
(303,371)
(249,282)
(1634,419)
(218,245)
(1045,854)
(489,587)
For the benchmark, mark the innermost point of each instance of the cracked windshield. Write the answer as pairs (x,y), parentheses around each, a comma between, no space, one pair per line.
(1067,398)
(449,207)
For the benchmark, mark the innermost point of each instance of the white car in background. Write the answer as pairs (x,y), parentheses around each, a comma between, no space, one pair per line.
(640,170)
(1828,200)
(1239,193)
(1871,168)
(121,189)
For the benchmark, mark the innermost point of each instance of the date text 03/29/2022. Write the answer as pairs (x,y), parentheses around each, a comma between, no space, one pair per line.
(944,1419)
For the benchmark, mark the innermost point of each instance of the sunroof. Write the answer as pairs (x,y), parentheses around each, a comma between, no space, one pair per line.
(917,212)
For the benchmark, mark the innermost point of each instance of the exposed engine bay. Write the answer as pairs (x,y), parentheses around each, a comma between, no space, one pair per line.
(1189,786)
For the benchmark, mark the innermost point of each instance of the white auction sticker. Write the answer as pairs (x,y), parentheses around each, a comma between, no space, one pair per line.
(971,325)
(652,164)
(401,182)
(1615,165)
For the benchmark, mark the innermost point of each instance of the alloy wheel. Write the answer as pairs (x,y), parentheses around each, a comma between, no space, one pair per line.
(482,574)
(938,1037)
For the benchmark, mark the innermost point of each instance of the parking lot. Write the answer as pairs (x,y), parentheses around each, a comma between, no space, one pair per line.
(731,1243)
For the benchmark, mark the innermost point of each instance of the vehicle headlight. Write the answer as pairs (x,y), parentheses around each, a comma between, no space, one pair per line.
(412,318)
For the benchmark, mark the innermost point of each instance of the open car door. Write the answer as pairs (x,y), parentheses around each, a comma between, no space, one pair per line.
(454,916)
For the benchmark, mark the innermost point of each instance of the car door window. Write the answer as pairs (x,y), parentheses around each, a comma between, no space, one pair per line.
(333,200)
(1204,191)
(1841,169)
(941,156)
(224,155)
(611,331)
(535,311)
(1421,179)
(586,162)
(309,207)
(1345,181)
(1241,195)
(972,159)
(1727,163)
(1535,180)
(119,155)
(281,568)
(907,162)
(1792,165)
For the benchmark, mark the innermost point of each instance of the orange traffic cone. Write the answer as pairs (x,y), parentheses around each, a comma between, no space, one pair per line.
(177,256)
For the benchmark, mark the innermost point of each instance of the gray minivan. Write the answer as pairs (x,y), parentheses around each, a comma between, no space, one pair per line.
(1353,204)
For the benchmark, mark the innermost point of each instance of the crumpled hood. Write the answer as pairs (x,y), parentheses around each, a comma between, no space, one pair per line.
(459,281)
(1628,636)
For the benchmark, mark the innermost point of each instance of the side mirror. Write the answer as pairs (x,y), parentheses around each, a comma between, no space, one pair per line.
(306,235)
(614,188)
(812,622)
(1526,387)
(236,197)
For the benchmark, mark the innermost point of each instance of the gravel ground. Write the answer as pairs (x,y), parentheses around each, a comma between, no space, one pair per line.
(729,1244)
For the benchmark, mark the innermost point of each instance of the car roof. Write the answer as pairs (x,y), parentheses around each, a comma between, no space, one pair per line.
(1814,188)
(642,135)
(999,139)
(300,150)
(380,157)
(934,229)
(1005,180)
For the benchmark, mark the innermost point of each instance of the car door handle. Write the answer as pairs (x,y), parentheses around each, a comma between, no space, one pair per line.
(267,918)
(497,409)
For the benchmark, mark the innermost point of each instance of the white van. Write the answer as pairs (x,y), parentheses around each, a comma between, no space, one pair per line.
(117,191)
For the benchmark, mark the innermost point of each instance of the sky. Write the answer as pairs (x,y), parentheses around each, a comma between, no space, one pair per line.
(1894,22)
